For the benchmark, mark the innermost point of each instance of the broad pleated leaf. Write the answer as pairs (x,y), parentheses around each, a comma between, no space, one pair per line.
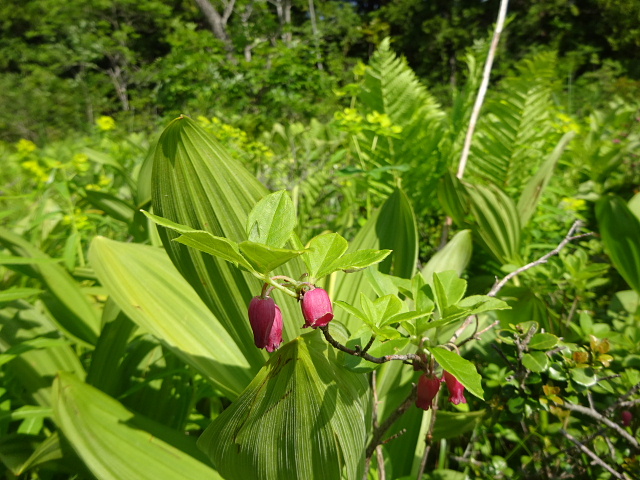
(620,230)
(116,443)
(197,183)
(34,368)
(70,307)
(397,230)
(148,288)
(534,187)
(454,256)
(496,221)
(302,417)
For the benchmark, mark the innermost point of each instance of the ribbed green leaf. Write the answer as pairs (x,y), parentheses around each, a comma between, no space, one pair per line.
(620,230)
(197,183)
(534,187)
(302,417)
(16,293)
(397,230)
(454,256)
(70,307)
(497,222)
(148,288)
(115,443)
(34,369)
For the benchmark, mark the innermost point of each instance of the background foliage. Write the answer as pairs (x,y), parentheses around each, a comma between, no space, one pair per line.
(359,111)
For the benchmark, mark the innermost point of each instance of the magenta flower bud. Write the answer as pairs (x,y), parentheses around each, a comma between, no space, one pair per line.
(428,387)
(265,318)
(316,308)
(627,417)
(456,389)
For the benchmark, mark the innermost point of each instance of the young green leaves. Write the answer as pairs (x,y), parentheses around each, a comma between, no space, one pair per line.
(270,226)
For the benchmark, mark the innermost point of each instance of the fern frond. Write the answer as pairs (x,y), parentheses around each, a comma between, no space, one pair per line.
(515,132)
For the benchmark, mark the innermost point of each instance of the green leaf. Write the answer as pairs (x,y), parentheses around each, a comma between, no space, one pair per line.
(454,256)
(449,289)
(196,182)
(620,230)
(323,251)
(405,317)
(535,361)
(272,220)
(16,293)
(352,262)
(583,376)
(497,222)
(352,310)
(543,341)
(535,186)
(397,230)
(455,424)
(204,241)
(116,443)
(69,306)
(462,369)
(264,259)
(148,288)
(302,417)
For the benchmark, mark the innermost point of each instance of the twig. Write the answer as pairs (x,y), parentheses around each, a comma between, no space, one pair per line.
(482,91)
(622,401)
(570,237)
(378,433)
(595,457)
(358,352)
(544,259)
(601,418)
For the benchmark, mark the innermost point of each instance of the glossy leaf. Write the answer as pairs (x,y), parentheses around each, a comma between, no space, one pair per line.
(116,443)
(462,369)
(543,341)
(147,287)
(272,220)
(204,241)
(263,258)
(535,361)
(302,417)
(323,251)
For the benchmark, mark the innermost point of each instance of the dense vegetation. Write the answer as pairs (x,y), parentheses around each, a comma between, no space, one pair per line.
(121,341)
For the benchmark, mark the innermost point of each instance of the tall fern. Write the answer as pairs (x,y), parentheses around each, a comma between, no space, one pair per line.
(515,132)
(392,88)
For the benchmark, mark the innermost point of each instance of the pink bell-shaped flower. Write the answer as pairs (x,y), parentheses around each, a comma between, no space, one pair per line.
(428,387)
(265,318)
(627,418)
(456,389)
(316,308)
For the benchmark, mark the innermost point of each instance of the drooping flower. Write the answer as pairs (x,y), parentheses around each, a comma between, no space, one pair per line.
(265,318)
(456,389)
(627,417)
(316,308)
(428,387)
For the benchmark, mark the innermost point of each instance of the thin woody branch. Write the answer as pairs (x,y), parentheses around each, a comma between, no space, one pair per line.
(362,353)
(499,285)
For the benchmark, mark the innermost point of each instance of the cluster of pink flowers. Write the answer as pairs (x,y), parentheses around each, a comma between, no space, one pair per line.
(265,317)
(429,385)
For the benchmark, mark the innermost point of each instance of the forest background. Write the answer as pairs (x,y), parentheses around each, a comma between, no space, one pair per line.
(360,111)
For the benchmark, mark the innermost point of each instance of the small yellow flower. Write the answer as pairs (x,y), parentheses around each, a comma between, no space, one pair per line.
(360,69)
(104,181)
(106,123)
(25,146)
(81,162)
